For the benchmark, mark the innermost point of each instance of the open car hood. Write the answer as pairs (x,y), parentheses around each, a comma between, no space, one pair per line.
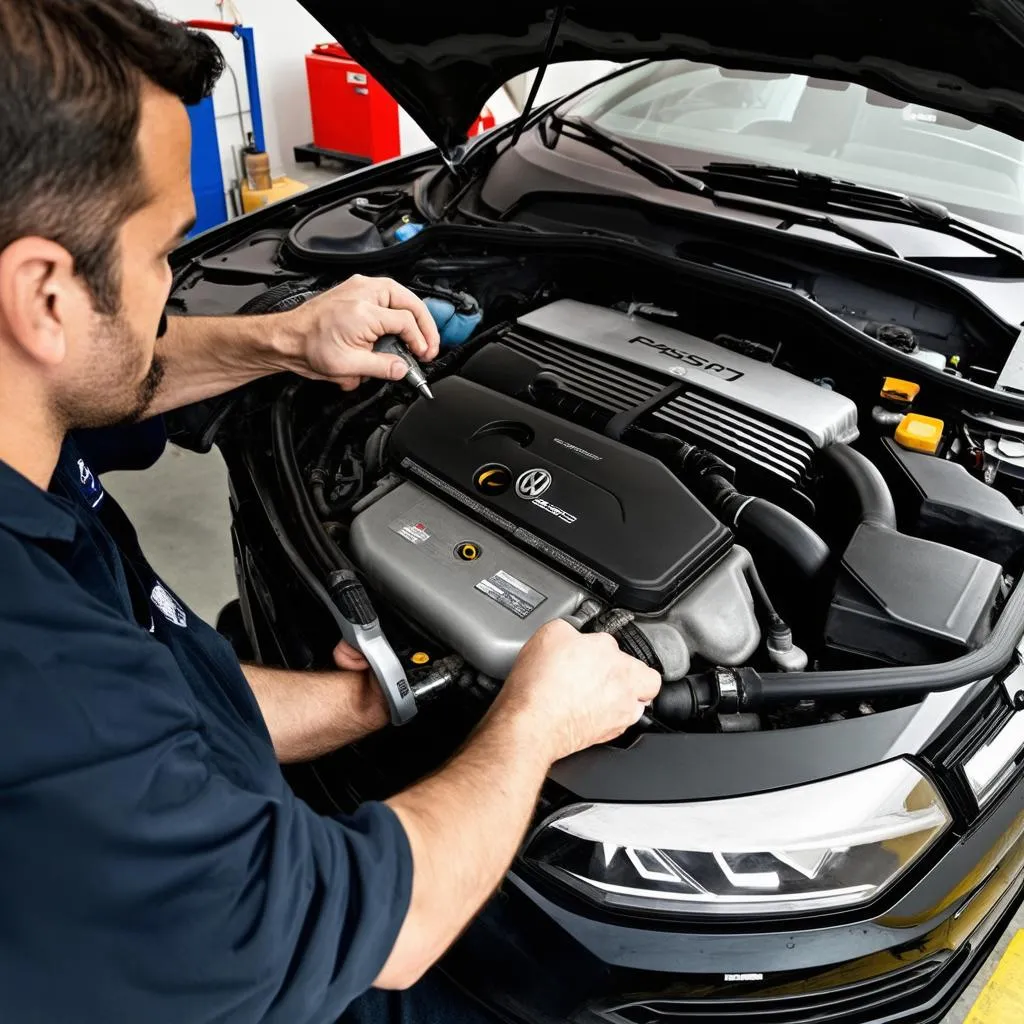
(442,61)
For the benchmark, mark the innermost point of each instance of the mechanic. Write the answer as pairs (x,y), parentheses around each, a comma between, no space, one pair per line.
(154,865)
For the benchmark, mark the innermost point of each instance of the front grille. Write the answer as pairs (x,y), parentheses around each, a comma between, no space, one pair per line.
(890,996)
(698,416)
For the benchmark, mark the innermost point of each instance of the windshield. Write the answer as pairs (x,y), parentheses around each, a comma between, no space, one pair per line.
(689,114)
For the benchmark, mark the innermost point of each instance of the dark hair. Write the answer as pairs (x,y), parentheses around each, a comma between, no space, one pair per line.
(70,97)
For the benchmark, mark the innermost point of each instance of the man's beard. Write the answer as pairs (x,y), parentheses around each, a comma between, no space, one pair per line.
(103,398)
(146,393)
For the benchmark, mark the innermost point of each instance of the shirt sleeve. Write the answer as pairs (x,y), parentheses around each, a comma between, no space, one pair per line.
(140,883)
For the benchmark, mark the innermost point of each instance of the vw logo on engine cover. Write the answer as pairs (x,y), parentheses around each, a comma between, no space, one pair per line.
(533,483)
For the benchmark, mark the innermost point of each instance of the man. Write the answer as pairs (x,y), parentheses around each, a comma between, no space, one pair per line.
(154,866)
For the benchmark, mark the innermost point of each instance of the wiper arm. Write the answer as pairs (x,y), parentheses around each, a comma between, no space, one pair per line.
(665,176)
(646,166)
(794,215)
(882,203)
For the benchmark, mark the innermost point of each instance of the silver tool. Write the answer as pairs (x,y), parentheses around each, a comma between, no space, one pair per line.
(393,345)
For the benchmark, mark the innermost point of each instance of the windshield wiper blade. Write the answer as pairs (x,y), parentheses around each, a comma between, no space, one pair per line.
(857,198)
(646,166)
(665,176)
(789,215)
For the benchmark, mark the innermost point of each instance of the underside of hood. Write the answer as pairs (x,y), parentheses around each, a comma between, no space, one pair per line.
(442,61)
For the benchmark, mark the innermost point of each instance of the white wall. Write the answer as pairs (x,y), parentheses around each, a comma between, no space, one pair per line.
(285,33)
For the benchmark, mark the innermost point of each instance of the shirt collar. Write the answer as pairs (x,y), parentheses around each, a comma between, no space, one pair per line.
(28,510)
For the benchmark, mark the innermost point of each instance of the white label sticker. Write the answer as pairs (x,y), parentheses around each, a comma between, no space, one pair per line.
(744,977)
(512,594)
(414,533)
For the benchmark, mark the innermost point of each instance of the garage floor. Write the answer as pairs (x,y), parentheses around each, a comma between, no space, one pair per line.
(180,510)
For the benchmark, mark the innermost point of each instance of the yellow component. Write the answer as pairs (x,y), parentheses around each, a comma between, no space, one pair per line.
(900,390)
(420,658)
(256,199)
(468,551)
(1002,999)
(920,433)
(487,474)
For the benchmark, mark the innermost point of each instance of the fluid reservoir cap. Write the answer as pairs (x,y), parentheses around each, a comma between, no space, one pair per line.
(420,658)
(897,390)
(920,433)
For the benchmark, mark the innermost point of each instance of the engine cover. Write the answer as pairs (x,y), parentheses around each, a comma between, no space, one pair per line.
(750,413)
(614,518)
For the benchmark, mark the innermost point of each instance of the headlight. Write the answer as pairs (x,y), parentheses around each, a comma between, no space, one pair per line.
(829,844)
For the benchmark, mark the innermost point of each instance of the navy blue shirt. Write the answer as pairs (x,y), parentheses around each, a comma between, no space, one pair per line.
(155,867)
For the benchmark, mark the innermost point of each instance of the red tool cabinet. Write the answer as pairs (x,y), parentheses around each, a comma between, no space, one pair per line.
(353,114)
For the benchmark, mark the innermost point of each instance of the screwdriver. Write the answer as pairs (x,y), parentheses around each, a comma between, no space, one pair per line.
(394,346)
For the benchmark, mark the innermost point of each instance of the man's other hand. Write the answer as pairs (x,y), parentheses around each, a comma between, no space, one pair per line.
(349,659)
(331,337)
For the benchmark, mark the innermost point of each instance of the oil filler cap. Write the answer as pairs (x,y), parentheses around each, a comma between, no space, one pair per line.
(468,551)
(920,433)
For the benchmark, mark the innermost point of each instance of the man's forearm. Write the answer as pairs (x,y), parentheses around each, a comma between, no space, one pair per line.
(464,826)
(312,713)
(206,356)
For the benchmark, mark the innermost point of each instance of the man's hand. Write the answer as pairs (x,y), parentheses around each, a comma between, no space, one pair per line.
(312,713)
(578,689)
(349,659)
(332,336)
(566,691)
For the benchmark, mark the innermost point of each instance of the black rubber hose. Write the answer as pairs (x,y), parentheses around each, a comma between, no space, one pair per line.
(685,698)
(679,702)
(873,496)
(330,555)
(904,680)
(758,523)
(772,525)
(633,641)
(278,299)
(320,469)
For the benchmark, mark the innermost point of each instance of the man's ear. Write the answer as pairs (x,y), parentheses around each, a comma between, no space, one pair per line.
(38,291)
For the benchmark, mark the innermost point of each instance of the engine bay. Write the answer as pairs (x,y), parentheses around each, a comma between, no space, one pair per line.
(708,509)
(767,518)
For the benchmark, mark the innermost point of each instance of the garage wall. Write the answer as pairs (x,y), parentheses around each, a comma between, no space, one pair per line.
(285,33)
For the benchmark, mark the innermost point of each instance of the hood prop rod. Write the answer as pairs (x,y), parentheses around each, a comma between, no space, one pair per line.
(549,51)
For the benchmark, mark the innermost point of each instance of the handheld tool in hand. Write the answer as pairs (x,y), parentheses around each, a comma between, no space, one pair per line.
(393,345)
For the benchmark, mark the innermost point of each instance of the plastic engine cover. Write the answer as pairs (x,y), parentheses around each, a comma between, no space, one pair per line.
(615,518)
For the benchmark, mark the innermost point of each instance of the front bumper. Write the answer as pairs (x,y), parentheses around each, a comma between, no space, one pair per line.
(534,958)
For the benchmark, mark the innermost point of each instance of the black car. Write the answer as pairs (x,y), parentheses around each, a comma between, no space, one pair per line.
(733,370)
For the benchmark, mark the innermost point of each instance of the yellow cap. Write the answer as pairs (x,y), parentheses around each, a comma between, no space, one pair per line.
(920,433)
(420,658)
(900,390)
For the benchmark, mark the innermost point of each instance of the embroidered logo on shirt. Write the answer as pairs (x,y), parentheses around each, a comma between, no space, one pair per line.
(165,601)
(90,486)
